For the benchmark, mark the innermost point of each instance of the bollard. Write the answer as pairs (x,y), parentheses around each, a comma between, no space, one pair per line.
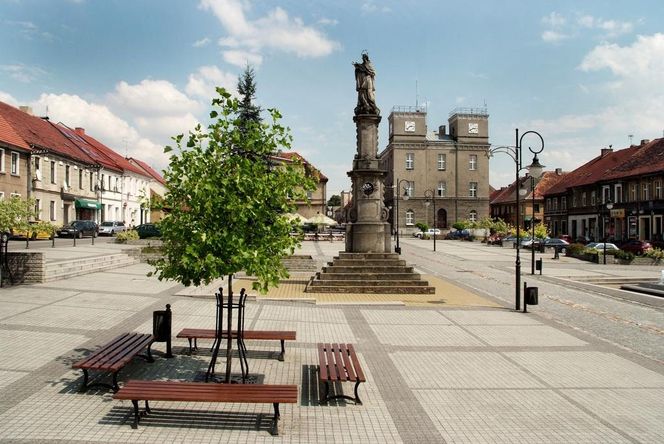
(161,328)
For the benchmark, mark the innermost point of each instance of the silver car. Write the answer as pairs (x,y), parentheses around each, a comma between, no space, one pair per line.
(111,227)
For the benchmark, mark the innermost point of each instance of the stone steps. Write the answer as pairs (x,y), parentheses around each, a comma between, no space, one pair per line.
(75,267)
(368,262)
(373,283)
(383,270)
(369,289)
(299,263)
(334,276)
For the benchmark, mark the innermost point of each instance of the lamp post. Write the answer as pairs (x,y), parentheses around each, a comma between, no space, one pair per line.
(609,207)
(430,197)
(535,170)
(396,188)
(515,153)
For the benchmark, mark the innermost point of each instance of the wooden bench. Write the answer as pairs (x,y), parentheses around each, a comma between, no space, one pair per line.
(339,363)
(135,391)
(113,356)
(257,335)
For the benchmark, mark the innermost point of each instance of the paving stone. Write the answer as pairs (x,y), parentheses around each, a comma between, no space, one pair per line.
(524,335)
(424,335)
(402,317)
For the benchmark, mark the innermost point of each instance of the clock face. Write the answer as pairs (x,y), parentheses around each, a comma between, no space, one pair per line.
(473,128)
(367,188)
(409,126)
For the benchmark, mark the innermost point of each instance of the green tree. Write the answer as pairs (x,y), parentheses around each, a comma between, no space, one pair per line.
(227,200)
(334,201)
(16,214)
(246,87)
(541,231)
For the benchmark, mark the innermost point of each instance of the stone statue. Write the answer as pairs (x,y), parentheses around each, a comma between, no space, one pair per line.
(364,85)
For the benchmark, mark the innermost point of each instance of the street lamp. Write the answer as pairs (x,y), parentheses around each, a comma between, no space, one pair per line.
(430,197)
(515,153)
(535,169)
(609,207)
(396,188)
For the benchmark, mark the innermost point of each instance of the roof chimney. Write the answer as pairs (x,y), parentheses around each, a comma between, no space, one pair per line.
(645,141)
(441,131)
(80,131)
(26,109)
(559,171)
(606,151)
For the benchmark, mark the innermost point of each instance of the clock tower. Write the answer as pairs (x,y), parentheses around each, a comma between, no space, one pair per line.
(469,125)
(407,124)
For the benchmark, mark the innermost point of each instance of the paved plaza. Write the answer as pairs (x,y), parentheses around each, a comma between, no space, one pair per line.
(458,366)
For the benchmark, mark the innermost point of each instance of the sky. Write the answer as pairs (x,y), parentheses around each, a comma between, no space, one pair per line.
(134,73)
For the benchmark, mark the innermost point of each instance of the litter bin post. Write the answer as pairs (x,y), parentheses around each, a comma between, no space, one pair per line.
(161,328)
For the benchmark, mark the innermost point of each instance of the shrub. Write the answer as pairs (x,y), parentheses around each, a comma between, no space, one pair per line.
(460,226)
(422,226)
(576,249)
(124,236)
(655,253)
(624,255)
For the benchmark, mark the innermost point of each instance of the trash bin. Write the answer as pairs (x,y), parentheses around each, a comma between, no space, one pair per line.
(530,296)
(538,265)
(161,328)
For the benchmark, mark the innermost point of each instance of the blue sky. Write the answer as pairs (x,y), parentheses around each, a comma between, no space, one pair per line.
(585,74)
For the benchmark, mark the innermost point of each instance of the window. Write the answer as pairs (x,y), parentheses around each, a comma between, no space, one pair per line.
(410,161)
(583,199)
(109,183)
(472,216)
(574,201)
(593,198)
(102,182)
(410,189)
(633,193)
(645,191)
(658,189)
(92,186)
(51,210)
(442,189)
(548,204)
(117,184)
(472,162)
(53,173)
(472,189)
(14,167)
(536,207)
(38,209)
(37,168)
(2,160)
(310,195)
(442,161)
(617,193)
(563,203)
(67,181)
(80,179)
(410,217)
(606,194)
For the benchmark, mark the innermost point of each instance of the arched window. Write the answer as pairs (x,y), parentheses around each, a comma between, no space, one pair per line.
(410,217)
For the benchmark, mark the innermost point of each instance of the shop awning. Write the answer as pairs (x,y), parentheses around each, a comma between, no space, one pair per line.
(85,203)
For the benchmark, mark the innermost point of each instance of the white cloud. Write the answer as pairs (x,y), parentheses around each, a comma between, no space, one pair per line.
(242,58)
(8,98)
(154,97)
(371,6)
(328,22)
(203,82)
(101,123)
(275,31)
(554,20)
(29,30)
(612,28)
(202,42)
(642,61)
(553,36)
(23,73)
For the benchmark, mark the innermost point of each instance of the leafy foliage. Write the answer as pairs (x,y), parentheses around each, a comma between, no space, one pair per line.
(227,200)
(655,253)
(625,255)
(460,225)
(246,87)
(16,214)
(334,201)
(127,235)
(541,231)
(422,226)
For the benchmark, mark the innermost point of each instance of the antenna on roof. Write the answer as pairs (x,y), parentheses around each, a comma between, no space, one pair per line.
(417,97)
(631,136)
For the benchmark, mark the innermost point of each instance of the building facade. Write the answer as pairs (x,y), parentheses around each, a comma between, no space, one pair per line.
(448,171)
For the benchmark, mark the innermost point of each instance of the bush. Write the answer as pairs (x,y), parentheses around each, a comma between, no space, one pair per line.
(624,255)
(575,249)
(422,226)
(655,253)
(124,236)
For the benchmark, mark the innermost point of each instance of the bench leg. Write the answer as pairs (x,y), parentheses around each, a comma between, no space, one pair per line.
(137,415)
(283,350)
(84,386)
(115,386)
(275,420)
(150,358)
(357,397)
(86,382)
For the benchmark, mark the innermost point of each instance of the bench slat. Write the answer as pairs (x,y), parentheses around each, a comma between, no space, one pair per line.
(324,374)
(117,353)
(347,362)
(207,333)
(356,363)
(331,364)
(339,363)
(205,392)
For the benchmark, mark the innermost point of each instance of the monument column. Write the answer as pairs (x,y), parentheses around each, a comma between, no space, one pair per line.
(368,230)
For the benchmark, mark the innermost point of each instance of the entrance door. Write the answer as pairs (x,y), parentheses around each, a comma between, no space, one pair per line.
(441,218)
(65,214)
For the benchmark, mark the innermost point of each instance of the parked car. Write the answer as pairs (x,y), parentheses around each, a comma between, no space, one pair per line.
(559,245)
(458,234)
(79,228)
(111,227)
(637,247)
(430,232)
(566,237)
(582,240)
(148,230)
(31,233)
(601,245)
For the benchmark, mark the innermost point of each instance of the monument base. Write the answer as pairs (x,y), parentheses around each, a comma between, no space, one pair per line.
(368,237)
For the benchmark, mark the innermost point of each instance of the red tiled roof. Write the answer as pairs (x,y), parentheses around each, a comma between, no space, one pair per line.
(98,157)
(548,180)
(291,155)
(9,136)
(148,169)
(41,134)
(114,157)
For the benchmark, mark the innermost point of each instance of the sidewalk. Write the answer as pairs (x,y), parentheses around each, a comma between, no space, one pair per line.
(465,370)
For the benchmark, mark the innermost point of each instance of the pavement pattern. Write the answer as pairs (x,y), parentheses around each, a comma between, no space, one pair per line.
(459,366)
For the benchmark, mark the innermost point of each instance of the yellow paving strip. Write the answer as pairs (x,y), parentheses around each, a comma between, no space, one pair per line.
(447,295)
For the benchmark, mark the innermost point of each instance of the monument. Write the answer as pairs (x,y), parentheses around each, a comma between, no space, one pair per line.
(367,265)
(368,230)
